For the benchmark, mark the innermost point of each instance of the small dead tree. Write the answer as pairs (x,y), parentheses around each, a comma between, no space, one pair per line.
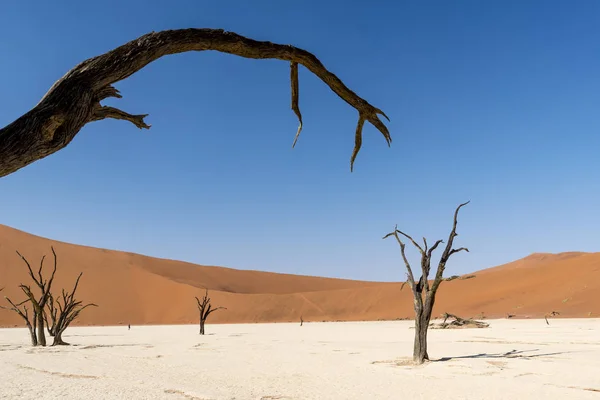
(423,292)
(550,314)
(205,309)
(301,321)
(24,313)
(39,304)
(76,99)
(67,309)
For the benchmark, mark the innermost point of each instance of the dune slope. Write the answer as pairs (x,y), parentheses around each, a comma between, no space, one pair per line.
(131,288)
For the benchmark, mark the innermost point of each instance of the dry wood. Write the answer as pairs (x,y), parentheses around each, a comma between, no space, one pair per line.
(550,314)
(423,292)
(68,309)
(205,309)
(458,322)
(75,99)
(44,285)
(24,313)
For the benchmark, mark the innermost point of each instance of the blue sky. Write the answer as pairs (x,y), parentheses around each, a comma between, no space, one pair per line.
(494,102)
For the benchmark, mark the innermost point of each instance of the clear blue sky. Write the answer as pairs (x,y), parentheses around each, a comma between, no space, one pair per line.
(496,102)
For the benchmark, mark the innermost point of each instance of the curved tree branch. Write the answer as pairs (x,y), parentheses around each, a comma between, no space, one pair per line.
(74,100)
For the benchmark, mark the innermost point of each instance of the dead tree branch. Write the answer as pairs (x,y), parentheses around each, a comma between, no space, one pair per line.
(74,100)
(205,309)
(68,309)
(423,293)
(458,322)
(24,313)
(44,286)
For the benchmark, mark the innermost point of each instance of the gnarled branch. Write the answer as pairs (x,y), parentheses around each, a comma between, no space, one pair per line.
(74,100)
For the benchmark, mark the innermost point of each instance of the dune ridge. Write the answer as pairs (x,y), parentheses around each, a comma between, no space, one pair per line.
(137,289)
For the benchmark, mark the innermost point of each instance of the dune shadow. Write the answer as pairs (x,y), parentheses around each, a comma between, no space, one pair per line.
(508,354)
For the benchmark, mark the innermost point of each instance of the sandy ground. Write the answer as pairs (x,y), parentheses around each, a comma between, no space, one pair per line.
(522,359)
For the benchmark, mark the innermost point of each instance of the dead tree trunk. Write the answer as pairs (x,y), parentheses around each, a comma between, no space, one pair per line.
(205,309)
(24,313)
(75,99)
(68,309)
(423,293)
(39,304)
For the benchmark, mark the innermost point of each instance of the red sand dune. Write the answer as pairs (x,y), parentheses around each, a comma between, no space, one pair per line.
(136,289)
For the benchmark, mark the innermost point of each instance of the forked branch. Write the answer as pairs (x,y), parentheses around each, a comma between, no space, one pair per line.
(74,100)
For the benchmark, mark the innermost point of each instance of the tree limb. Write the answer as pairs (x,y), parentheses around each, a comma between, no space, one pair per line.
(448,251)
(409,274)
(74,100)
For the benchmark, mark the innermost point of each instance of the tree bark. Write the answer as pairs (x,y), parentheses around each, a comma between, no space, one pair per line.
(58,341)
(422,319)
(202,327)
(41,335)
(32,333)
(74,100)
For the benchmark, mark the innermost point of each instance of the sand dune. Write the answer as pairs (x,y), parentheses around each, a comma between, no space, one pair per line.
(136,289)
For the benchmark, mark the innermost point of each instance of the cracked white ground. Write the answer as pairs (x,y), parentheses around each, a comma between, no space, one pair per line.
(513,359)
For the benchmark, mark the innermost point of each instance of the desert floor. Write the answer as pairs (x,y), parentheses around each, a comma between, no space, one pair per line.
(513,359)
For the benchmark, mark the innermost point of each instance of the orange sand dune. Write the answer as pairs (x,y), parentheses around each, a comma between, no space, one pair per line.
(131,288)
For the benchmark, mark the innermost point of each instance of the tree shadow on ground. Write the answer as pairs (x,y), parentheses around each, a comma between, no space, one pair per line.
(508,354)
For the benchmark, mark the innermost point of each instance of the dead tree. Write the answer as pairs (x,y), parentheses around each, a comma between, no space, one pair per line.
(205,309)
(24,313)
(75,99)
(39,304)
(301,321)
(67,310)
(551,314)
(423,292)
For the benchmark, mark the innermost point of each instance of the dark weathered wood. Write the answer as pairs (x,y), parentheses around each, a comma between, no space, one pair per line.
(24,313)
(51,321)
(44,285)
(74,100)
(205,309)
(423,292)
(68,311)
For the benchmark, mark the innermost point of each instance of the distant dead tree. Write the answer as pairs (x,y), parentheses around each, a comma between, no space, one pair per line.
(423,293)
(550,314)
(24,313)
(205,309)
(39,304)
(301,320)
(65,310)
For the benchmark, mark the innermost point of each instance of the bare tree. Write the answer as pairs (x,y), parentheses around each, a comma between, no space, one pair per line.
(44,286)
(24,313)
(301,321)
(423,293)
(67,310)
(205,309)
(75,99)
